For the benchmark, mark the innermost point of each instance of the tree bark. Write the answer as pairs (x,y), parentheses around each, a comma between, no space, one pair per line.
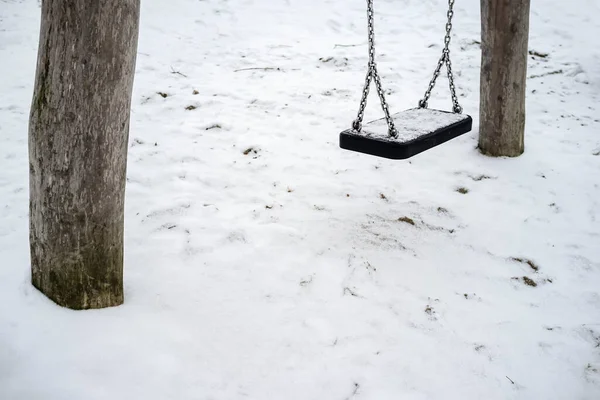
(504,39)
(78,135)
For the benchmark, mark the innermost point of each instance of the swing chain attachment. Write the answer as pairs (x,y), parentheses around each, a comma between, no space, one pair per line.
(372,73)
(444,59)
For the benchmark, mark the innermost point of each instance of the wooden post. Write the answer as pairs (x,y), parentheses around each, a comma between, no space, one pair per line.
(504,39)
(78,134)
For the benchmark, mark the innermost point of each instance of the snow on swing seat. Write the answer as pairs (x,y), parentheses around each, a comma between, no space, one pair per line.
(419,129)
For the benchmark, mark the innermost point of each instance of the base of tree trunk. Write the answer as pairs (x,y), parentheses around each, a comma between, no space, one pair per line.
(69,295)
(80,278)
(494,150)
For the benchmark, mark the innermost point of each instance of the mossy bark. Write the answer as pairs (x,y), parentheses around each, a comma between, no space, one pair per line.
(504,39)
(78,134)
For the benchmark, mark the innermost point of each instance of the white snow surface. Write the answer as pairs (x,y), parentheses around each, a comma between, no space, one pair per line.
(411,124)
(263,262)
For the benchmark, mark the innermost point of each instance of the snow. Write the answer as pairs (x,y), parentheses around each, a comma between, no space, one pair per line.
(263,262)
(411,124)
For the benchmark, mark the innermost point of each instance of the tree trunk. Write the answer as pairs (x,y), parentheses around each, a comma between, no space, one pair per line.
(78,134)
(504,38)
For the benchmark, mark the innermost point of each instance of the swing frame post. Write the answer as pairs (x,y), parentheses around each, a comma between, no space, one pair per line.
(504,50)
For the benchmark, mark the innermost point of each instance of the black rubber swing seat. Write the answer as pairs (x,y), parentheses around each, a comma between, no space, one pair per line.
(419,129)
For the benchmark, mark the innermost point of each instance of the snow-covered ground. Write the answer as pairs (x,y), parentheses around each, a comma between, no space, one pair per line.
(263,262)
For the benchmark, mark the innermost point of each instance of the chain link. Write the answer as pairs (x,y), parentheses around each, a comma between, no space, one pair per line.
(374,75)
(444,59)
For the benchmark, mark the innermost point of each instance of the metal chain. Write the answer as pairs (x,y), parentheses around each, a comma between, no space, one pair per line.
(374,75)
(444,59)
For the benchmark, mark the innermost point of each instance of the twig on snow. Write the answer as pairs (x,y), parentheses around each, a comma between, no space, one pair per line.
(259,68)
(558,71)
(537,54)
(347,45)
(174,71)
(351,292)
(354,392)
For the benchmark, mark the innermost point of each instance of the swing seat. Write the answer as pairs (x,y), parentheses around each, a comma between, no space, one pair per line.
(419,129)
